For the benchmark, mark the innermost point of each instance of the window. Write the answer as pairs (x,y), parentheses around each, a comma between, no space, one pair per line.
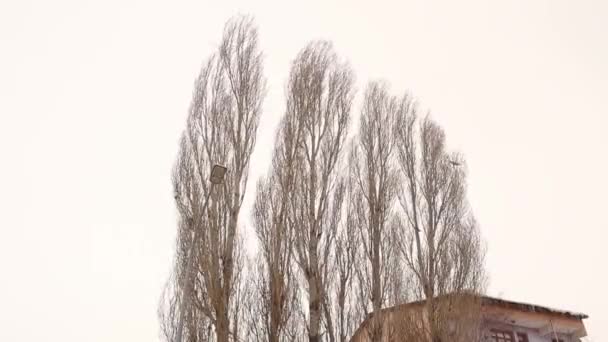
(522,337)
(501,336)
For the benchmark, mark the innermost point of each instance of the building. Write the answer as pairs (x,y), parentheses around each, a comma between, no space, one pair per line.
(500,321)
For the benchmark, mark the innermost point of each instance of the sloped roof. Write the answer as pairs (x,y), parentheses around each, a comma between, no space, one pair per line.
(486,301)
(531,307)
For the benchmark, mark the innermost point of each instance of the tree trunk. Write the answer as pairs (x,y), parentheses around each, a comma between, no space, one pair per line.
(222,326)
(314,303)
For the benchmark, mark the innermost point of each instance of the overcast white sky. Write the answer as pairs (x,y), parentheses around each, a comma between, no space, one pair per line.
(94,94)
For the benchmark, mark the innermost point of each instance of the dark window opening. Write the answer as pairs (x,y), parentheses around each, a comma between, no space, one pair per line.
(501,336)
(522,337)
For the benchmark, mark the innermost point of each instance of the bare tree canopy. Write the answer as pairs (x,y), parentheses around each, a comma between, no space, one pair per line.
(342,305)
(374,180)
(221,129)
(440,241)
(436,252)
(346,230)
(276,286)
(320,94)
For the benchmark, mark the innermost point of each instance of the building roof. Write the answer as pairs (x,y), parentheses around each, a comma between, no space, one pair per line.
(531,307)
(489,301)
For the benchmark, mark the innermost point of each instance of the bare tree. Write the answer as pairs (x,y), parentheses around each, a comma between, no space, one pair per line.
(221,129)
(320,94)
(374,173)
(342,305)
(238,310)
(278,289)
(197,327)
(258,308)
(330,265)
(440,241)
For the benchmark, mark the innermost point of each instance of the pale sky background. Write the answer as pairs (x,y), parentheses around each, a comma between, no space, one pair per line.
(94,95)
